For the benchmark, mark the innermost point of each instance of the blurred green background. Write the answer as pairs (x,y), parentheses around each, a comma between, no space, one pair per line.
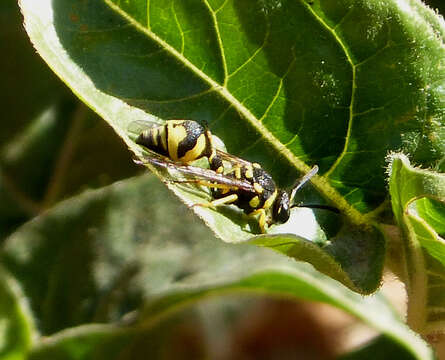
(51,145)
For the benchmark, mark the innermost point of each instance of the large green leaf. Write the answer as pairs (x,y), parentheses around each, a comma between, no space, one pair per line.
(326,83)
(131,246)
(288,84)
(418,200)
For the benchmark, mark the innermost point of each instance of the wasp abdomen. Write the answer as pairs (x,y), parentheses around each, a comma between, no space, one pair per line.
(187,140)
(179,140)
(154,139)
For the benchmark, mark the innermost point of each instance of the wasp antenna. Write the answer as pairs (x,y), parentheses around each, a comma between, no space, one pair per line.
(317,206)
(303,180)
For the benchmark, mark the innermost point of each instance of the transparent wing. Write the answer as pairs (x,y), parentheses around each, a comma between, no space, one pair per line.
(232,158)
(297,186)
(136,127)
(198,173)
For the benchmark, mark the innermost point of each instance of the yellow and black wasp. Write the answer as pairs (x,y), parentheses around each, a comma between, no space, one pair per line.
(243,184)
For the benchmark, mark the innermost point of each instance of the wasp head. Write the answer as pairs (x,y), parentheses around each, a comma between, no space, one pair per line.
(281,210)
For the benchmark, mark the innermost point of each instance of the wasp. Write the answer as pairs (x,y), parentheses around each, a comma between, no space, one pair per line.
(243,184)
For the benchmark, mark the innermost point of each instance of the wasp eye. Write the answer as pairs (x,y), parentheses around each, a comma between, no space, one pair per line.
(281,211)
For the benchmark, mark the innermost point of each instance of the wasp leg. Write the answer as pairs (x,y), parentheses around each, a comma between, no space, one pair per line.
(205,183)
(235,169)
(225,200)
(261,219)
(218,202)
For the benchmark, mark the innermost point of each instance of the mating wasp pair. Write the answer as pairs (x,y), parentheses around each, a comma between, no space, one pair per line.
(246,185)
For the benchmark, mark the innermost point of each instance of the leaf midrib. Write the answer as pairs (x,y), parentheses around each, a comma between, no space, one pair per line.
(319,182)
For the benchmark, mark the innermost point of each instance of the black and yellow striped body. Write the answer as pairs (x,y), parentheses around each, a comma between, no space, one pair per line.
(181,141)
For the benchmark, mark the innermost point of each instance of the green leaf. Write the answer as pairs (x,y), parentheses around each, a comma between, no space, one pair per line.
(16,323)
(95,341)
(418,200)
(100,256)
(85,342)
(349,256)
(286,83)
(260,83)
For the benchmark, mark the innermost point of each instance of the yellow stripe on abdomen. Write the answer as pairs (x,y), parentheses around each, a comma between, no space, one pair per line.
(175,135)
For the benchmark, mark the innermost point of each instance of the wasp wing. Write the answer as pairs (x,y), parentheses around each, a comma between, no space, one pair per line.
(199,173)
(136,127)
(297,186)
(232,158)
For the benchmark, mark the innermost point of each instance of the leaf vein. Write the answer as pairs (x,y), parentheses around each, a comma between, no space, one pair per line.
(345,16)
(354,86)
(219,39)
(250,59)
(221,7)
(179,27)
(388,44)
